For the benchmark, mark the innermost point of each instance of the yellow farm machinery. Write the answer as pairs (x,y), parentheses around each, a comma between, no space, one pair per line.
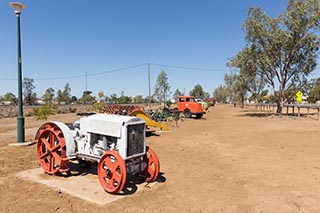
(134,110)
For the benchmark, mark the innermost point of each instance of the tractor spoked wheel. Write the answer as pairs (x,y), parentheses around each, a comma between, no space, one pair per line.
(112,172)
(51,149)
(151,172)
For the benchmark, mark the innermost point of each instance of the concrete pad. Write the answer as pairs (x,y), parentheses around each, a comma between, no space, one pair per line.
(23,143)
(83,184)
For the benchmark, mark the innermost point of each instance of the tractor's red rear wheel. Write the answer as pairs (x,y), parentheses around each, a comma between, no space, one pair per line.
(112,172)
(51,149)
(151,172)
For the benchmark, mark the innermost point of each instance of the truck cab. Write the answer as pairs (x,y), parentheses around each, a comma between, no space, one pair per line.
(188,106)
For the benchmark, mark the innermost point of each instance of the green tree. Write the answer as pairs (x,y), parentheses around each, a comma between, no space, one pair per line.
(139,99)
(59,97)
(30,97)
(246,62)
(151,98)
(198,92)
(287,46)
(176,94)
(74,99)
(9,96)
(240,89)
(162,88)
(66,94)
(236,87)
(229,80)
(87,98)
(48,95)
(263,96)
(124,100)
(43,112)
(113,98)
(220,94)
(314,93)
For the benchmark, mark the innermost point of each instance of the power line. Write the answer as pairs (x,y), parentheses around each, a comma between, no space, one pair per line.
(8,79)
(190,68)
(125,68)
(60,78)
(85,75)
(86,81)
(93,74)
(117,70)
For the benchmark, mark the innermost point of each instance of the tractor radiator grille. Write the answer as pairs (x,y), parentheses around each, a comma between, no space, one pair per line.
(135,137)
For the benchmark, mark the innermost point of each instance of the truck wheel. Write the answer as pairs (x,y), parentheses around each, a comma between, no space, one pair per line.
(198,116)
(187,113)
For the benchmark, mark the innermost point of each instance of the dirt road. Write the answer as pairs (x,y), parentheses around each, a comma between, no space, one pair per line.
(233,160)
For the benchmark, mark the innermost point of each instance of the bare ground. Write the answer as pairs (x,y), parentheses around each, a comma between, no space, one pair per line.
(233,160)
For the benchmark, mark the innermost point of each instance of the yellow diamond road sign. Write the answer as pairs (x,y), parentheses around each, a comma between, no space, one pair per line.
(299,94)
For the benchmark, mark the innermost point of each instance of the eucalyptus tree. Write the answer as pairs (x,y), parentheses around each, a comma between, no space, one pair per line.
(236,87)
(287,46)
(198,92)
(246,63)
(48,95)
(220,94)
(64,96)
(9,96)
(176,94)
(29,95)
(314,93)
(162,87)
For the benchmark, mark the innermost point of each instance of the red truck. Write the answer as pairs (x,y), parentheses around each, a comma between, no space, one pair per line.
(188,106)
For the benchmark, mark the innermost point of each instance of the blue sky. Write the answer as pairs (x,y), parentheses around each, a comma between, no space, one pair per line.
(62,40)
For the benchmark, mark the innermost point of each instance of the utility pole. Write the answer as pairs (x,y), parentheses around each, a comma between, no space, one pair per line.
(149,103)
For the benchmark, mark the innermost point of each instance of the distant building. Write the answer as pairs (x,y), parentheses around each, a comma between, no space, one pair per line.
(40,102)
(6,103)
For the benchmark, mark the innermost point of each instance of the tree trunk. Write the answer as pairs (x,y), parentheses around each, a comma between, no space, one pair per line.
(279,108)
(242,101)
(280,102)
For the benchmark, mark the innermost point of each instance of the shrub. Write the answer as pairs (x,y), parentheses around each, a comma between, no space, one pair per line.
(42,113)
(72,110)
(99,107)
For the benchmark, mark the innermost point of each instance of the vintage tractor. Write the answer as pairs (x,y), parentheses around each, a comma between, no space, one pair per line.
(115,143)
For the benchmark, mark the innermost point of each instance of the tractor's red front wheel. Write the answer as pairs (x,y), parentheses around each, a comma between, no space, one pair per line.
(151,172)
(112,172)
(51,149)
